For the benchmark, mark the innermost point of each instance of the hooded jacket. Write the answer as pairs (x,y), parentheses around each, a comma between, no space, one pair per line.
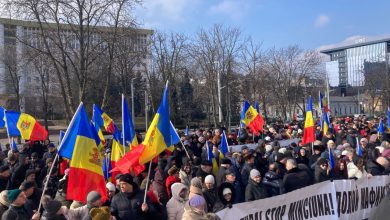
(175,206)
(273,183)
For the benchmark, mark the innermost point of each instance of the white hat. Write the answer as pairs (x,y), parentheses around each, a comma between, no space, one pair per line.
(268,148)
(226,191)
(268,138)
(300,131)
(282,150)
(111,187)
(209,179)
(344,153)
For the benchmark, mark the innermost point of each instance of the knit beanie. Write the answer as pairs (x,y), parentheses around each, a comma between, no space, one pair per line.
(197,201)
(226,191)
(93,196)
(13,194)
(196,182)
(254,173)
(52,207)
(209,179)
(111,187)
(268,148)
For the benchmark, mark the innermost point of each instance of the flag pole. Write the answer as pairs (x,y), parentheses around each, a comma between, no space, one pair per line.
(147,181)
(6,123)
(184,147)
(312,148)
(47,181)
(123,125)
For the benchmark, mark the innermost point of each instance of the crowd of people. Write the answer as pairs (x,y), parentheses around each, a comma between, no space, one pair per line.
(183,183)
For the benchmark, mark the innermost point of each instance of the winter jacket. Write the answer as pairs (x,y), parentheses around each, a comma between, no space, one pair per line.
(211,197)
(273,183)
(158,185)
(255,191)
(191,213)
(239,192)
(20,211)
(168,183)
(375,168)
(128,206)
(295,179)
(222,203)
(185,178)
(220,178)
(320,175)
(245,173)
(354,172)
(77,213)
(175,206)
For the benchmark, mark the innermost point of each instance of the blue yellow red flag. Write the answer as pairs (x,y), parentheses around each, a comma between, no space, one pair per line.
(24,125)
(158,136)
(308,131)
(251,118)
(80,146)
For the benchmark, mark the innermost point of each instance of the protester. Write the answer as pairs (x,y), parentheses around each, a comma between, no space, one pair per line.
(210,192)
(295,178)
(175,205)
(255,189)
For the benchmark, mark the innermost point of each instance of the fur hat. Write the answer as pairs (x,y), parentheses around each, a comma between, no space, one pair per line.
(102,213)
(4,198)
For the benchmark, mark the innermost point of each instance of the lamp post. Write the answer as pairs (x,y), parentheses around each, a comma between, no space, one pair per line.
(132,100)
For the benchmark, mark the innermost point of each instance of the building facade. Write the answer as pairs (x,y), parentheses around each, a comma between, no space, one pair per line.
(15,38)
(346,65)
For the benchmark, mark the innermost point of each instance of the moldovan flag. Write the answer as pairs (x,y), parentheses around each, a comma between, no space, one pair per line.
(128,131)
(80,145)
(158,136)
(24,125)
(102,119)
(308,131)
(323,103)
(251,118)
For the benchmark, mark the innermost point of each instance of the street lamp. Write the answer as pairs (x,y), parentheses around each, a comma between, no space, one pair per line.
(132,100)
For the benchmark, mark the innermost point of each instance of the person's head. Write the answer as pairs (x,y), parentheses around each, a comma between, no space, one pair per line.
(26,160)
(364,142)
(244,149)
(49,162)
(349,155)
(302,152)
(197,202)
(51,148)
(341,165)
(206,166)
(30,175)
(227,194)
(52,207)
(250,159)
(329,134)
(217,132)
(5,172)
(126,183)
(209,181)
(28,188)
(330,144)
(173,171)
(230,176)
(16,197)
(34,157)
(117,179)
(186,168)
(94,199)
(322,163)
(290,164)
(110,189)
(272,167)
(255,176)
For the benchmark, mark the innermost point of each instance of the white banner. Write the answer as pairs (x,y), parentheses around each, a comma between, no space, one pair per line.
(357,199)
(342,199)
(282,143)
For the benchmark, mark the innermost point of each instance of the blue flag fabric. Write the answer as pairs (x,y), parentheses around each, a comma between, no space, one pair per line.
(186,132)
(388,118)
(128,130)
(62,134)
(175,138)
(224,148)
(381,128)
(107,168)
(2,115)
(257,107)
(331,159)
(359,149)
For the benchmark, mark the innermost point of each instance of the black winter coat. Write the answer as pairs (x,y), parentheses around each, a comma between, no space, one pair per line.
(21,212)
(273,183)
(296,179)
(375,168)
(320,175)
(211,197)
(128,206)
(255,191)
